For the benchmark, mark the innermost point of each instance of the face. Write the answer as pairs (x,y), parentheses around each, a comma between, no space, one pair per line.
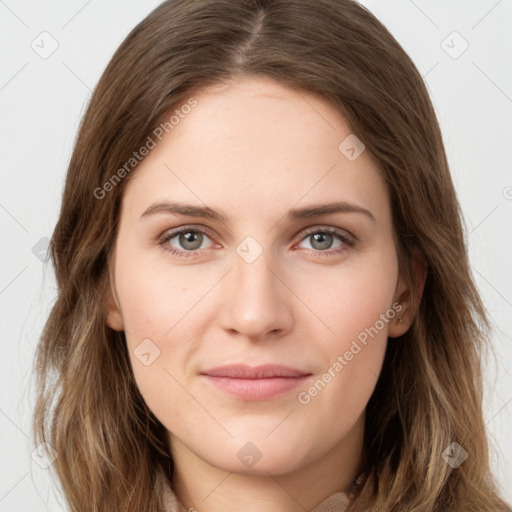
(274,281)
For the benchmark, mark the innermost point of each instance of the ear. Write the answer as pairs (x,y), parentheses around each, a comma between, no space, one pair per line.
(404,296)
(114,317)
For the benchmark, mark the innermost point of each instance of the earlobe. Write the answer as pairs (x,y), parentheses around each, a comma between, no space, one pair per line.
(400,323)
(404,318)
(113,310)
(114,318)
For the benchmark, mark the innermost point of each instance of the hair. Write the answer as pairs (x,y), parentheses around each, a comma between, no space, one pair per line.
(110,446)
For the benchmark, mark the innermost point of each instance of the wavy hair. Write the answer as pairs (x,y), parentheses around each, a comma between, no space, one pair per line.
(110,446)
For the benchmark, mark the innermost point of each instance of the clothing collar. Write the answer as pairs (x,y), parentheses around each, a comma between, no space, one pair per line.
(337,502)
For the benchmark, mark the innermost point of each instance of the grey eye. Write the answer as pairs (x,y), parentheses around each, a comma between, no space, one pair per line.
(321,241)
(190,240)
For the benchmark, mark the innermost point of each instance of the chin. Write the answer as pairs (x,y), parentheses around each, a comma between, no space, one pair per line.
(258,457)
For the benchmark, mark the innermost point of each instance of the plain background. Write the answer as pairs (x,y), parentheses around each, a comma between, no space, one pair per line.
(43,99)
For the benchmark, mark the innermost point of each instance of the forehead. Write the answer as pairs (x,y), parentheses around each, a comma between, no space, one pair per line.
(256,145)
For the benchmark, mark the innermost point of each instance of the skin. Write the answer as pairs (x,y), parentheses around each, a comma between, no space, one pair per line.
(254,149)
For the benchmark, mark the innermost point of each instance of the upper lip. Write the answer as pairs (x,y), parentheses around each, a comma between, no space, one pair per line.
(245,371)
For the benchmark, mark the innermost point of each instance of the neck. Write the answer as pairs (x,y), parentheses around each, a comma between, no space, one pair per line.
(205,487)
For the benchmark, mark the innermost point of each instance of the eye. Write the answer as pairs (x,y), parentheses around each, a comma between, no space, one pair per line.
(322,239)
(190,239)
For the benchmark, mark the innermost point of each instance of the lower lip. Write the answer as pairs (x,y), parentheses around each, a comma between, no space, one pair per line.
(256,389)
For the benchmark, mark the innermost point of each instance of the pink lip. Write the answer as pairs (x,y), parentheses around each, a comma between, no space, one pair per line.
(255,383)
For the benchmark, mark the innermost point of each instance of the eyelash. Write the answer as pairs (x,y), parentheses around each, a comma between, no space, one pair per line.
(347,240)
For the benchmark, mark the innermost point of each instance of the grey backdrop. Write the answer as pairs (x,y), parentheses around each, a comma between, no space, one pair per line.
(52,56)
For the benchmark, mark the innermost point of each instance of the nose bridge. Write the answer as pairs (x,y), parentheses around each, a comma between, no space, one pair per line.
(257,302)
(251,273)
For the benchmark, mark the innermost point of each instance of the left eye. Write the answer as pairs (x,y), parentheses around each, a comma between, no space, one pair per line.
(322,240)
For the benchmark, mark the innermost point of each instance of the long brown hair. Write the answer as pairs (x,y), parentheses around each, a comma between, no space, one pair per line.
(110,446)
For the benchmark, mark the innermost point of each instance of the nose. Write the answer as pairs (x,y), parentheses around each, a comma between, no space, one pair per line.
(256,302)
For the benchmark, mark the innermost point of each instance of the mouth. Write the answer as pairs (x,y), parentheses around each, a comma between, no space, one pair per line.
(255,383)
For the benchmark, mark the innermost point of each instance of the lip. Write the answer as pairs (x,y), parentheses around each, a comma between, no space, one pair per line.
(255,382)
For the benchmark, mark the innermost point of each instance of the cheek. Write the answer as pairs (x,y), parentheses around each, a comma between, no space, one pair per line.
(351,298)
(154,296)
(158,303)
(355,303)
(158,363)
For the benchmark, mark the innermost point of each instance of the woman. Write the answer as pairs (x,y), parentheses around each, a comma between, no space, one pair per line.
(264,288)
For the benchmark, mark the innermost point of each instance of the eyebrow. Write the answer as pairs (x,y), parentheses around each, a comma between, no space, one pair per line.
(308,212)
